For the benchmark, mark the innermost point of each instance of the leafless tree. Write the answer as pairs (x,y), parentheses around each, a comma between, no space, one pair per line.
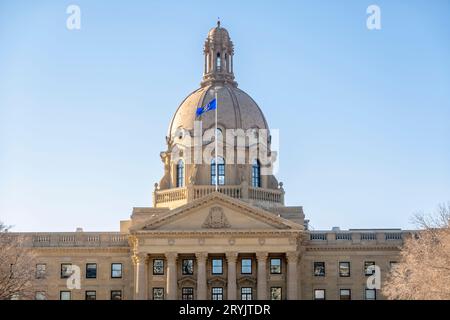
(423,272)
(16,266)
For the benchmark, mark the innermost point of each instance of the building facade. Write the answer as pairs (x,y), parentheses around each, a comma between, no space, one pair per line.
(218,229)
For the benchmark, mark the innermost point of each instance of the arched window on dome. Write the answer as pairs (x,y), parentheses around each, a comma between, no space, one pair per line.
(180,174)
(220,169)
(218,61)
(256,174)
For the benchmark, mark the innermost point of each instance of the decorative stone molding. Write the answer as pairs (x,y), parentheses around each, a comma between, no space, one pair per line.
(171,257)
(232,241)
(231,257)
(261,241)
(292,256)
(261,256)
(201,257)
(216,219)
(190,280)
(246,279)
(140,258)
(219,280)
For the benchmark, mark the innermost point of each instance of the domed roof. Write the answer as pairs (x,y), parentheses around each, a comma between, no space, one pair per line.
(235,110)
(218,33)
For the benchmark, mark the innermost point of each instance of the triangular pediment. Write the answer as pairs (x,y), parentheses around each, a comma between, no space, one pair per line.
(217,212)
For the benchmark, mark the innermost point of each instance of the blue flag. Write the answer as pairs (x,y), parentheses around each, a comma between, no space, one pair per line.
(212,105)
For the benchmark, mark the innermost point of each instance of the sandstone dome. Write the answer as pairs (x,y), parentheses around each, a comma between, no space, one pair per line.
(236,110)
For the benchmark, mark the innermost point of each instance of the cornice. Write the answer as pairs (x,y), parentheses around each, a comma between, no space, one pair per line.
(352,248)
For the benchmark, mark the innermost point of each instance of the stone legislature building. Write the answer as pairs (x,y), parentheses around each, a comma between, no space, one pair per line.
(240,242)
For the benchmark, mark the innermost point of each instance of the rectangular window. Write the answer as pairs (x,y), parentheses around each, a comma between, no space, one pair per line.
(41,270)
(371,294)
(319,269)
(40,295)
(91,295)
(367,271)
(319,294)
(91,270)
(344,269)
(158,293)
(246,266)
(187,293)
(246,293)
(275,266)
(188,267)
(158,266)
(217,293)
(275,293)
(345,294)
(116,294)
(65,295)
(116,270)
(217,267)
(66,270)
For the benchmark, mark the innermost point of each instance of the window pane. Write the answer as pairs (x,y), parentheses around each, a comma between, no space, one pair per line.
(217,293)
(116,295)
(91,270)
(40,295)
(220,170)
(187,293)
(64,295)
(91,295)
(371,294)
(246,266)
(344,269)
(41,270)
(217,266)
(188,266)
(256,180)
(158,266)
(246,293)
(275,266)
(367,271)
(180,173)
(319,269)
(345,294)
(116,270)
(66,270)
(158,293)
(319,294)
(275,293)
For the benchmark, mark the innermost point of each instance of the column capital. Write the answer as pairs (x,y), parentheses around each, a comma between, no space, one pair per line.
(231,256)
(140,257)
(292,256)
(262,256)
(201,256)
(171,257)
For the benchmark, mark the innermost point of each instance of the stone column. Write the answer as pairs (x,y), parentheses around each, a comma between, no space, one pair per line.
(171,275)
(292,275)
(201,275)
(140,276)
(261,275)
(231,285)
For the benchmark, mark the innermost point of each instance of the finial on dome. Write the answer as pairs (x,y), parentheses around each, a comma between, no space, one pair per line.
(218,22)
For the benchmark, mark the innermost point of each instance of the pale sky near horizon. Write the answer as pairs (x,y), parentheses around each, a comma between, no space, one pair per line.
(363,115)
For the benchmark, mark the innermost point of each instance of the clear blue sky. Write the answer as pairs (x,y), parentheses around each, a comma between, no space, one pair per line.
(363,115)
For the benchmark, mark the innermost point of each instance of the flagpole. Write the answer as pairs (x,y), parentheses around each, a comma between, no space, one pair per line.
(217,165)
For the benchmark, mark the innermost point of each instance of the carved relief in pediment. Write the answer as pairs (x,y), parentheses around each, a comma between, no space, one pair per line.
(216,219)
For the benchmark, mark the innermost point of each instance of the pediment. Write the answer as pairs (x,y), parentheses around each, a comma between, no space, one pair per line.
(217,212)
